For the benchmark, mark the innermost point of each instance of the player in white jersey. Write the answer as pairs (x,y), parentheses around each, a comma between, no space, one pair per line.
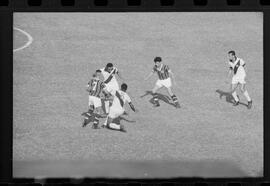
(120,97)
(237,68)
(110,81)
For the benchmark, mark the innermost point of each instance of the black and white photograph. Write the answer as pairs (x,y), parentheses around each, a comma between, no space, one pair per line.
(138,94)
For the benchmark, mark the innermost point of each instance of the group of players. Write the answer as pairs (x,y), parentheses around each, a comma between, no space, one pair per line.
(104,87)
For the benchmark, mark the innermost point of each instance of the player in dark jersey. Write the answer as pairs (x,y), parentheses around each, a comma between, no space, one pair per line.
(164,80)
(95,88)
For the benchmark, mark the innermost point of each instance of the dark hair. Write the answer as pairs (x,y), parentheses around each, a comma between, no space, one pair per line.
(109,65)
(98,71)
(231,52)
(124,86)
(157,59)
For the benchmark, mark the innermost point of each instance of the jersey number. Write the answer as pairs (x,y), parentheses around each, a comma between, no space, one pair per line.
(94,86)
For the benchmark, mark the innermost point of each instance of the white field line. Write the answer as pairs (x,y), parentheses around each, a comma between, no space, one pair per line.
(29,37)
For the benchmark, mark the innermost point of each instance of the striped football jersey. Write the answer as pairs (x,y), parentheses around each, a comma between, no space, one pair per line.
(163,72)
(96,87)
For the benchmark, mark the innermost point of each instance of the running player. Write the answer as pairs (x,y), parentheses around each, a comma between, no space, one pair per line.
(239,75)
(95,87)
(164,80)
(109,73)
(120,97)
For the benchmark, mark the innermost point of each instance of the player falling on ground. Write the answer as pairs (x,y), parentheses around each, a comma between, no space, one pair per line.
(239,75)
(164,80)
(120,97)
(95,88)
(110,81)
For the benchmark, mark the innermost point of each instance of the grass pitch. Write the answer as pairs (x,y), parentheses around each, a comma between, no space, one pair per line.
(206,137)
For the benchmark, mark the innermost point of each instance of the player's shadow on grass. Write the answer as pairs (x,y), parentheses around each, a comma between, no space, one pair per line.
(162,97)
(228,96)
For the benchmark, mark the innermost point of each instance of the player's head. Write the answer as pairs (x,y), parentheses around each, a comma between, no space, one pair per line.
(232,55)
(109,67)
(157,61)
(124,87)
(98,74)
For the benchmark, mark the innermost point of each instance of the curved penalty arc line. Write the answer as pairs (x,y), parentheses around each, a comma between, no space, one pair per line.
(29,37)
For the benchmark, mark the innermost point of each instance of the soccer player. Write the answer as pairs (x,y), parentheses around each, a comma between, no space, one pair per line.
(164,80)
(120,97)
(109,73)
(95,88)
(239,75)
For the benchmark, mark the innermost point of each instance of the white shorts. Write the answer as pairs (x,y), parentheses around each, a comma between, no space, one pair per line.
(165,82)
(115,112)
(238,79)
(93,100)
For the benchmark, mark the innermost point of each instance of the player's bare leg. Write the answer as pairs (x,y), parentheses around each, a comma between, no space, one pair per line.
(234,94)
(245,92)
(155,96)
(107,106)
(108,103)
(174,98)
(105,123)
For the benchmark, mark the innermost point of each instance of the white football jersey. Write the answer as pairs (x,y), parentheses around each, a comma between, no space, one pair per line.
(109,77)
(238,67)
(120,98)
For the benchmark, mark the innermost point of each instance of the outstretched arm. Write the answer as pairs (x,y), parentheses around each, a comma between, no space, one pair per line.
(132,107)
(149,76)
(120,76)
(88,86)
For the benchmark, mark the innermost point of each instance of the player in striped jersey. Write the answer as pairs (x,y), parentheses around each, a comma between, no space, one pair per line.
(109,73)
(95,87)
(164,79)
(237,68)
(120,97)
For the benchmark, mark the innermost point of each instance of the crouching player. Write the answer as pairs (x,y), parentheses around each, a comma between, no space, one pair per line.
(120,97)
(95,88)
